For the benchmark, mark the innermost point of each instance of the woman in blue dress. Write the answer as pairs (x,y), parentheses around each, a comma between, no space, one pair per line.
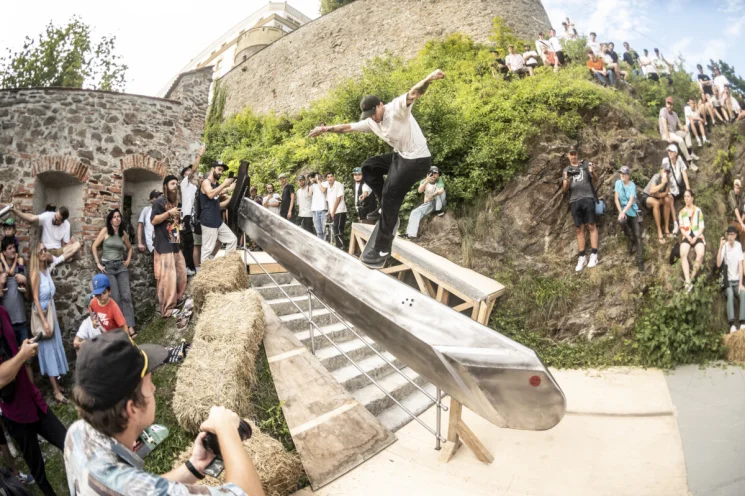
(52,359)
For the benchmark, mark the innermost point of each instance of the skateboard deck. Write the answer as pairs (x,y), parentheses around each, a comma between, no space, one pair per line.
(368,251)
(150,439)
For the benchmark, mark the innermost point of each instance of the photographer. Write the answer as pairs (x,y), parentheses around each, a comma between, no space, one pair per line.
(730,252)
(578,178)
(115,399)
(433,188)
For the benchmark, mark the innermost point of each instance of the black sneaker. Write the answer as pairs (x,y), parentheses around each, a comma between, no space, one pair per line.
(404,236)
(376,260)
(373,216)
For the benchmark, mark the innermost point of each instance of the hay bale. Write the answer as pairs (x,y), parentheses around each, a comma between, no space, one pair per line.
(280,471)
(219,369)
(221,275)
(735,344)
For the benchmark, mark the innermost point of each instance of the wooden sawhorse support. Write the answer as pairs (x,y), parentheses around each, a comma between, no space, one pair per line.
(458,432)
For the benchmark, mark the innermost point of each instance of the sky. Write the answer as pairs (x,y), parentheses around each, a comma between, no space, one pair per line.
(156,38)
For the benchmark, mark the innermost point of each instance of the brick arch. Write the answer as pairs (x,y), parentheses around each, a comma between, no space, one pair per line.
(141,161)
(70,165)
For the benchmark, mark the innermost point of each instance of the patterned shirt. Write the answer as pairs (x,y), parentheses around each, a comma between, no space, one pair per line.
(691,225)
(98,464)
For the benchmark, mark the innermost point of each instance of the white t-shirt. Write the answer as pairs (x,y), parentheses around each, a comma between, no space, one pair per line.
(304,202)
(594,46)
(188,193)
(731,256)
(647,65)
(87,330)
(539,44)
(318,201)
(272,197)
(607,59)
(515,61)
(555,44)
(530,57)
(399,129)
(52,236)
(148,227)
(677,185)
(720,81)
(334,192)
(689,112)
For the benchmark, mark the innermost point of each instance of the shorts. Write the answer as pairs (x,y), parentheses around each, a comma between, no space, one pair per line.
(57,252)
(583,211)
(532,65)
(698,241)
(197,239)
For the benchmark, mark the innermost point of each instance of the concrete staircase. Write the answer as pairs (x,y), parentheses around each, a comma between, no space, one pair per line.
(377,402)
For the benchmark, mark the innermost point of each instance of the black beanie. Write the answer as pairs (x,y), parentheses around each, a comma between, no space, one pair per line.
(169,178)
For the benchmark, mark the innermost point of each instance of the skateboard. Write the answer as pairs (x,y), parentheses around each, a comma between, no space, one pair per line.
(368,251)
(150,439)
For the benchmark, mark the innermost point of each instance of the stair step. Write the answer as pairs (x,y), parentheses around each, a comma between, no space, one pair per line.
(296,322)
(356,349)
(274,292)
(259,280)
(352,379)
(376,401)
(337,331)
(283,306)
(417,402)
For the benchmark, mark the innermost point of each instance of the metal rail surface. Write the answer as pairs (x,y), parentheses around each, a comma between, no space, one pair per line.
(497,378)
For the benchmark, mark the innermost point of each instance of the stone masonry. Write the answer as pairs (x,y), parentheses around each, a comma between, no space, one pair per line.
(304,65)
(93,151)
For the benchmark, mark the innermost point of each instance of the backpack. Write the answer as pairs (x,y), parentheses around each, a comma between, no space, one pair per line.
(10,486)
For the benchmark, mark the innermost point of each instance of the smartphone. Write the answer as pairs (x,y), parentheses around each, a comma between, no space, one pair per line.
(231,175)
(37,338)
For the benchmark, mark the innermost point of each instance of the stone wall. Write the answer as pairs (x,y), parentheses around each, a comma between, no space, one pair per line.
(93,151)
(304,65)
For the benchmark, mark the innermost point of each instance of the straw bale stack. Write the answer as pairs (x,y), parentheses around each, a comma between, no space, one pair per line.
(221,275)
(735,343)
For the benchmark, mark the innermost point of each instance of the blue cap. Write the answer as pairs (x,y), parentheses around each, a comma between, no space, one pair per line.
(100,283)
(357,170)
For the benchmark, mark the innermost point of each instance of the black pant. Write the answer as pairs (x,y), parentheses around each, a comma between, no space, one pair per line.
(560,56)
(402,175)
(307,224)
(50,428)
(187,243)
(632,228)
(340,223)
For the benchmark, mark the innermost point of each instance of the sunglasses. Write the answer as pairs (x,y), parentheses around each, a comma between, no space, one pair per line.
(42,250)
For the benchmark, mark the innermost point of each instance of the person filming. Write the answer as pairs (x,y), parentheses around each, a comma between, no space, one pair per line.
(115,398)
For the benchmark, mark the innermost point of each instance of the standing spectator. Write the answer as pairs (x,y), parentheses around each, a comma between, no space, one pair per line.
(531,59)
(9,231)
(364,199)
(337,208)
(515,62)
(433,188)
(678,180)
(695,122)
(288,198)
(593,45)
(556,46)
(114,262)
(628,214)
(631,57)
(663,68)
(197,228)
(648,67)
(89,328)
(499,68)
(597,68)
(144,224)
(271,200)
(13,290)
(108,312)
(704,82)
(736,201)
(673,131)
(52,359)
(26,414)
(55,231)
(720,80)
(540,46)
(578,178)
(656,197)
(318,205)
(304,204)
(214,230)
(188,196)
(255,196)
(730,252)
(169,266)
(691,221)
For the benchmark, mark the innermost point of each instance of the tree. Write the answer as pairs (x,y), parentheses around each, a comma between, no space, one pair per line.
(331,5)
(736,82)
(64,56)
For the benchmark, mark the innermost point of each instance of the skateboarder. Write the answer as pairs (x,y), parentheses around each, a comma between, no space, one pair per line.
(408,164)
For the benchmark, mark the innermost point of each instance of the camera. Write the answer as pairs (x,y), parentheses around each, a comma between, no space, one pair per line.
(210,440)
(573,171)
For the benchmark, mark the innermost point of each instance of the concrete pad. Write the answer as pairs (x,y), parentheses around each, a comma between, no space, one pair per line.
(583,455)
(615,391)
(710,407)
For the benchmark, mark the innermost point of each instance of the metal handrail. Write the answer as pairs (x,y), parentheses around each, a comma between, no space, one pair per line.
(434,432)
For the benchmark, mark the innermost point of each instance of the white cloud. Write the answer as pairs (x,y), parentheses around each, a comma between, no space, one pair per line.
(612,20)
(732,6)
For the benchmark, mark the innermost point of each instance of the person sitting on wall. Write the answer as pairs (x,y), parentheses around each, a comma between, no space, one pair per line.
(433,188)
(90,327)
(55,231)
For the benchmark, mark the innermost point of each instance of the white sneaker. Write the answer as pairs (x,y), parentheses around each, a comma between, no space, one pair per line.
(676,228)
(694,156)
(581,262)
(593,260)
(699,143)
(190,272)
(693,167)
(742,327)
(732,329)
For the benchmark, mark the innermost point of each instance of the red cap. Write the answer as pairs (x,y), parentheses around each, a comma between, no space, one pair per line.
(669,99)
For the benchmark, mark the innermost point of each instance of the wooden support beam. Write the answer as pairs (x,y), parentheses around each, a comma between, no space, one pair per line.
(430,287)
(395,269)
(463,306)
(459,433)
(420,282)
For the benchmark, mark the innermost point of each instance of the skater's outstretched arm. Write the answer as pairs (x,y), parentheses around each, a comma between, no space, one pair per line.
(338,128)
(418,90)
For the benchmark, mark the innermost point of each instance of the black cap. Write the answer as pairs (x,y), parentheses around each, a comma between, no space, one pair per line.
(183,171)
(155,194)
(434,170)
(367,106)
(219,163)
(572,149)
(169,178)
(731,229)
(110,366)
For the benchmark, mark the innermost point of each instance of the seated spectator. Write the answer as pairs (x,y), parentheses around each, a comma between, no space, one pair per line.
(13,291)
(720,80)
(9,231)
(662,66)
(691,221)
(736,203)
(556,47)
(593,45)
(540,46)
(737,110)
(707,95)
(727,103)
(25,414)
(433,188)
(515,62)
(550,59)
(656,197)
(108,312)
(114,262)
(695,122)
(678,180)
(628,218)
(55,231)
(648,67)
(673,131)
(531,59)
(253,194)
(597,68)
(730,252)
(90,327)
(719,105)
(631,58)
(271,200)
(578,179)
(610,58)
(116,402)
